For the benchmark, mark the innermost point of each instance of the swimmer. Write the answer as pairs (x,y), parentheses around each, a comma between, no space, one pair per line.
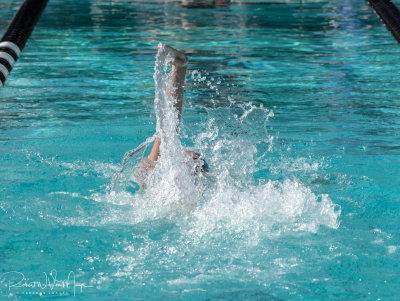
(174,91)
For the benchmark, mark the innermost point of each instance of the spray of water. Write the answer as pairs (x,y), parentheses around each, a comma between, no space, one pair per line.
(171,183)
(228,199)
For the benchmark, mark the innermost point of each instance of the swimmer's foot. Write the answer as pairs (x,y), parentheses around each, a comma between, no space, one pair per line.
(178,58)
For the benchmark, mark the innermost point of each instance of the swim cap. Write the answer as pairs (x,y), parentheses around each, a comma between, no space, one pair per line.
(200,164)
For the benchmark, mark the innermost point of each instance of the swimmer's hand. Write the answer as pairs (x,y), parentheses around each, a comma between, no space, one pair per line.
(178,58)
(142,171)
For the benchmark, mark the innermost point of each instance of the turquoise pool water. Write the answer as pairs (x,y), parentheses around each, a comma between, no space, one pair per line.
(296,108)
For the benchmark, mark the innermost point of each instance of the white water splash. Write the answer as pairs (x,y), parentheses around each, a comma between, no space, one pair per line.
(227,201)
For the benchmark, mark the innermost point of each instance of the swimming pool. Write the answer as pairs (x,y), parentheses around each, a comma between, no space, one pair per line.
(295,106)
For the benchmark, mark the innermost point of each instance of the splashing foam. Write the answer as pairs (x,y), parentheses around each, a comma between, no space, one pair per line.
(227,200)
(171,188)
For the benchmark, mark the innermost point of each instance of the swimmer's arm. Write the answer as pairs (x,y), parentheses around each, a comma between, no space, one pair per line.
(155,151)
(143,169)
(177,77)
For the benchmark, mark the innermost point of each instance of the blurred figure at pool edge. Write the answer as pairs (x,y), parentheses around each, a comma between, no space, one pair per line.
(204,3)
(174,91)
